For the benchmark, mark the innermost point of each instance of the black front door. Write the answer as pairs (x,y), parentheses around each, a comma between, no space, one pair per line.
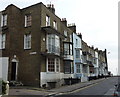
(13,71)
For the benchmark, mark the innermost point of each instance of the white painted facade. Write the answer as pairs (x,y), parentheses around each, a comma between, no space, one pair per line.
(4,68)
(78,62)
(46,77)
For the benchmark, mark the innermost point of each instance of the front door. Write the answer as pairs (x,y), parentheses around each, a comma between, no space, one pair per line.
(13,71)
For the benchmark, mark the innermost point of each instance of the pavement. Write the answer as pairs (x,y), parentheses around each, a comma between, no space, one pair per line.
(59,91)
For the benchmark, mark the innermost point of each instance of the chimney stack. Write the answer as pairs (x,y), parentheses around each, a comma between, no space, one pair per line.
(51,8)
(64,21)
(80,35)
(72,27)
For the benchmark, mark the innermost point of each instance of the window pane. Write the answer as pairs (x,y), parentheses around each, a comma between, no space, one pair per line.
(65,33)
(51,65)
(66,49)
(55,25)
(28,20)
(57,65)
(70,49)
(77,53)
(47,20)
(27,41)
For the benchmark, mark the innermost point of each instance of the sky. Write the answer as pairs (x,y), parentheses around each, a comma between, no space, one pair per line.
(97,20)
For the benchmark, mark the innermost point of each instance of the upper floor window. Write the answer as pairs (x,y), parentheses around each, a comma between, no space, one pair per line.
(27,41)
(28,20)
(77,53)
(47,20)
(4,20)
(68,50)
(70,38)
(55,25)
(53,44)
(2,41)
(76,42)
(65,33)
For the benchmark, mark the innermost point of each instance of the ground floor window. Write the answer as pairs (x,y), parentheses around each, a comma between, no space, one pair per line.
(78,69)
(68,67)
(85,69)
(53,64)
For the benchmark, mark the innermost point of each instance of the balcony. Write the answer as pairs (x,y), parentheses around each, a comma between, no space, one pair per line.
(52,49)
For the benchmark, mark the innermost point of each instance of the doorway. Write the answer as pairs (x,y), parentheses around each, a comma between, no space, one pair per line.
(13,71)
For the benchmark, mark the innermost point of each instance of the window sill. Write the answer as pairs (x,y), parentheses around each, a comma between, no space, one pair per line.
(52,72)
(27,26)
(27,49)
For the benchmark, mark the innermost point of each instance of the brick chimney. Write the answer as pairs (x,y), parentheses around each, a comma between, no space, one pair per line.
(64,21)
(80,35)
(51,8)
(72,27)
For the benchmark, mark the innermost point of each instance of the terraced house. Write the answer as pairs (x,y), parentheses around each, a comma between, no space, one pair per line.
(38,48)
(38,45)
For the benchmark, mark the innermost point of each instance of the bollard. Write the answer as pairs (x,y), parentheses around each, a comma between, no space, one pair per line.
(7,88)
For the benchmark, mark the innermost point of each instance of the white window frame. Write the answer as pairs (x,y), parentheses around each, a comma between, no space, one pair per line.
(66,49)
(70,38)
(28,20)
(65,33)
(76,42)
(2,41)
(78,68)
(47,20)
(77,51)
(53,44)
(55,65)
(4,20)
(55,25)
(27,41)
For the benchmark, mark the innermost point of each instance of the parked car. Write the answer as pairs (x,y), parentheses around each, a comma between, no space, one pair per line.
(117,90)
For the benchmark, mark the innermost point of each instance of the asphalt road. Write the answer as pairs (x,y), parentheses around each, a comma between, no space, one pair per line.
(105,87)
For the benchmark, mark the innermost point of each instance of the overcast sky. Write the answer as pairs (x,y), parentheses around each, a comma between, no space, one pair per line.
(97,20)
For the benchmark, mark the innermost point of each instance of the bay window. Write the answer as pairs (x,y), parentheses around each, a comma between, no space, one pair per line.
(68,49)
(53,44)
(68,67)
